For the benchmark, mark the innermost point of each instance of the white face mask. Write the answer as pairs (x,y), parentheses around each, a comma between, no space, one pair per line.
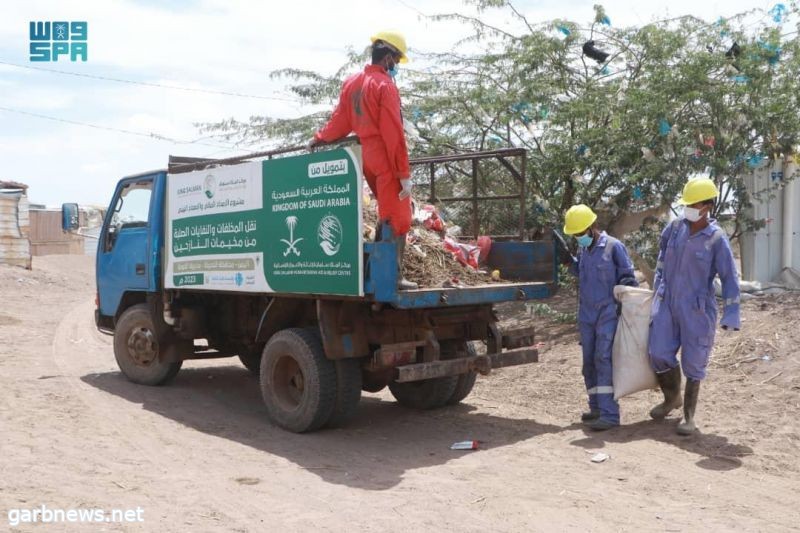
(692,214)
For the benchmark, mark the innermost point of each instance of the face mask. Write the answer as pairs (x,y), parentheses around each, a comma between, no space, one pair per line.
(392,72)
(584,241)
(692,214)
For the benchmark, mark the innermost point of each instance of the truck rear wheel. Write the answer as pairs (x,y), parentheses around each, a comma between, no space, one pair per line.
(138,349)
(466,381)
(376,381)
(298,383)
(425,394)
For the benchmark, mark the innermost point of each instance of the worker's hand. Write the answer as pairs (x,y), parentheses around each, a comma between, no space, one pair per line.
(312,143)
(567,259)
(406,185)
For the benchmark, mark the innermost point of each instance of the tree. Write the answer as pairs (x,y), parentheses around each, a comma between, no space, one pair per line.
(620,132)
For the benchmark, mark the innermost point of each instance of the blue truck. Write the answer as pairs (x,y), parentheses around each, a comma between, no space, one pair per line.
(256,258)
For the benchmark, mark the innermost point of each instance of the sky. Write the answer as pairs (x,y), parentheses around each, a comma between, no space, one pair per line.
(71,137)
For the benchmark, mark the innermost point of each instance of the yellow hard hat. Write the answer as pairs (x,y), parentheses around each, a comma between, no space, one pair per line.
(697,190)
(395,39)
(578,219)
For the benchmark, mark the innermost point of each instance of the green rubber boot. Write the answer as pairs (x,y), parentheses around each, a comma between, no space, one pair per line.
(590,416)
(670,382)
(601,424)
(687,425)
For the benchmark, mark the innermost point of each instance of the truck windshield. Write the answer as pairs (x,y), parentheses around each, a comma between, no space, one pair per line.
(133,206)
(130,211)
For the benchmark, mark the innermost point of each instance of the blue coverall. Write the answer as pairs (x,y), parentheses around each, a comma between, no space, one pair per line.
(684,311)
(600,268)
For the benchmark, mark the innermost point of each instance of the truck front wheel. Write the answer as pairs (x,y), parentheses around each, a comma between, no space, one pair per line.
(298,383)
(138,349)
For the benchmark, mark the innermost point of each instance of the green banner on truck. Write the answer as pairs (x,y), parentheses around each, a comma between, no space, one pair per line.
(287,225)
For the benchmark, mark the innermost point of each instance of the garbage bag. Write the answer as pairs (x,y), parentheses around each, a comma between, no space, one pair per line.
(466,254)
(630,362)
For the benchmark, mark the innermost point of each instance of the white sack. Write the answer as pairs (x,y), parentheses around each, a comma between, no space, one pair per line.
(630,362)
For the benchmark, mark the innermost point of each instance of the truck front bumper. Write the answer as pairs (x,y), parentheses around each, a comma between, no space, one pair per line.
(482,364)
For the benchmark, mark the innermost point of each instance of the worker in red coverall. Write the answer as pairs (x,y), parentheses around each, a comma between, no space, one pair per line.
(369,105)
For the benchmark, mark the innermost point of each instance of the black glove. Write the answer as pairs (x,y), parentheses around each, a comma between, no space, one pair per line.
(566,256)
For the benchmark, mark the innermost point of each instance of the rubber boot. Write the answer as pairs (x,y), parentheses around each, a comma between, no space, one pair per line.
(601,424)
(402,284)
(590,416)
(670,382)
(687,425)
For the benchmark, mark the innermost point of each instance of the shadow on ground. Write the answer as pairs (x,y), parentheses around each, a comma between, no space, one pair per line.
(381,444)
(717,452)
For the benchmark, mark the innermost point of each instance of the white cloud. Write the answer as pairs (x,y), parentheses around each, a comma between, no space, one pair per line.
(221,45)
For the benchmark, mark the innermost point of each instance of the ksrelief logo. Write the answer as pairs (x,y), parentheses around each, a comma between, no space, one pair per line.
(210,186)
(329,234)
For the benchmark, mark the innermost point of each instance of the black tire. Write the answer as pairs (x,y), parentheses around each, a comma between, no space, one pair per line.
(371,384)
(425,394)
(138,349)
(251,358)
(466,381)
(348,392)
(298,383)
(348,387)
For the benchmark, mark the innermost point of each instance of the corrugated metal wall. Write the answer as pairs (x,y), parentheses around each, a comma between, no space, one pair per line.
(14,226)
(48,238)
(762,250)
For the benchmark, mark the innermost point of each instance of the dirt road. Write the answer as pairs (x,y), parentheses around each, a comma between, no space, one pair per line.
(200,455)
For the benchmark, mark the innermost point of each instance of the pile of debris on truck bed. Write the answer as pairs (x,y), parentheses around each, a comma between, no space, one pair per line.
(429,264)
(430,257)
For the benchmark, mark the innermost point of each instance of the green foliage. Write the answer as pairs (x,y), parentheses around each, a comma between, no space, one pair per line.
(566,281)
(545,311)
(620,136)
(646,239)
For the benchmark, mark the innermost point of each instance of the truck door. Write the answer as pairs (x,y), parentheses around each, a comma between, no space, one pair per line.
(122,253)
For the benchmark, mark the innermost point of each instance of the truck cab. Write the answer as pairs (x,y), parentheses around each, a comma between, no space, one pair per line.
(128,266)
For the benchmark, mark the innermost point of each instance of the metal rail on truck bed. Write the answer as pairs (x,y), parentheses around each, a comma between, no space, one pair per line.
(532,257)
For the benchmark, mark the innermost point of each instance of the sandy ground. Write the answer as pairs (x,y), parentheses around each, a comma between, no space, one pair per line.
(199,455)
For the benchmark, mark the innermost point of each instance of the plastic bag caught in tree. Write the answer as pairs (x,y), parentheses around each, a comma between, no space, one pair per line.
(591,52)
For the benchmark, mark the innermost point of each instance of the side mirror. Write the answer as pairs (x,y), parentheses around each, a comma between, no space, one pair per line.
(69,217)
